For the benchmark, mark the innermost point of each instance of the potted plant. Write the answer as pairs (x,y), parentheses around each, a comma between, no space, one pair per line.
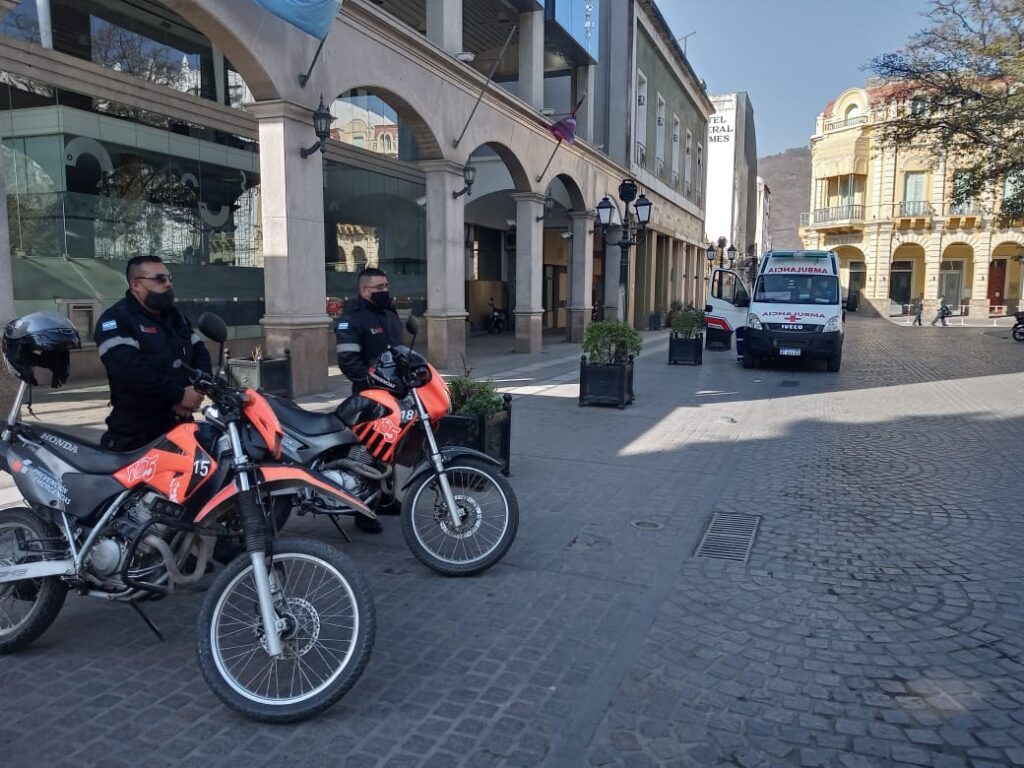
(481,418)
(673,309)
(686,343)
(606,367)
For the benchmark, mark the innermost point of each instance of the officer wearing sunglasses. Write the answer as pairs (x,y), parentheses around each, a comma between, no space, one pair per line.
(138,340)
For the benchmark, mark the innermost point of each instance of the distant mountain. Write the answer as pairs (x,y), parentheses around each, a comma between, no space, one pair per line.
(788,176)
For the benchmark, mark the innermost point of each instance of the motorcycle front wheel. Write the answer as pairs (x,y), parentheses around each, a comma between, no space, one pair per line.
(1018,333)
(490,519)
(329,627)
(28,607)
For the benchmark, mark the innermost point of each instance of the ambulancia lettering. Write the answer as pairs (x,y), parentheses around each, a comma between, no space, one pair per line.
(798,270)
(787,315)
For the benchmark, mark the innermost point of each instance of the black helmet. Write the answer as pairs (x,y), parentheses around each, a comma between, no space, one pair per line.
(43,340)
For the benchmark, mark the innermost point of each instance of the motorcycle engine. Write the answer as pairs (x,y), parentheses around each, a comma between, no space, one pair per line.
(345,480)
(108,553)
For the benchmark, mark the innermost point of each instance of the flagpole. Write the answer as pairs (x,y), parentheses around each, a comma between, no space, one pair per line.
(548,164)
(483,90)
(303,79)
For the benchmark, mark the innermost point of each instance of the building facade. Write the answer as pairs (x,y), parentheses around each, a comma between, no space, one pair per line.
(888,213)
(176,127)
(732,210)
(763,232)
(652,118)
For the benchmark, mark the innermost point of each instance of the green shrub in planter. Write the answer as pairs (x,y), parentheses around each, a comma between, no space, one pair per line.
(688,323)
(481,419)
(609,341)
(606,368)
(673,309)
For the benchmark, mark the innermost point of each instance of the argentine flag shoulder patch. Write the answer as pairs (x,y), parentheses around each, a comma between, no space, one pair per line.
(343,326)
(108,325)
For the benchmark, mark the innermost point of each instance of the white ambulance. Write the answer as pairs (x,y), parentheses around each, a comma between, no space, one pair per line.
(795,308)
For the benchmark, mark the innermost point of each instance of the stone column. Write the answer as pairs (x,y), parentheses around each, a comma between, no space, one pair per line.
(581,270)
(583,86)
(981,261)
(292,199)
(8,383)
(529,307)
(446,264)
(932,265)
(444,24)
(531,58)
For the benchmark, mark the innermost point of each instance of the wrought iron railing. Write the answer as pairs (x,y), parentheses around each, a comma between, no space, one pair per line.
(837,213)
(835,125)
(915,208)
(641,155)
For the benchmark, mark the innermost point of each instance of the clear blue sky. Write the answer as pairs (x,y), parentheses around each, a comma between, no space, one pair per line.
(791,56)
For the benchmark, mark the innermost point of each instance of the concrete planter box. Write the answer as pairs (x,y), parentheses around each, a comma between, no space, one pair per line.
(270,375)
(606,384)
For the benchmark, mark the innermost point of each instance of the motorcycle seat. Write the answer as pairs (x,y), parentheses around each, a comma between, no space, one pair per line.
(305,422)
(90,458)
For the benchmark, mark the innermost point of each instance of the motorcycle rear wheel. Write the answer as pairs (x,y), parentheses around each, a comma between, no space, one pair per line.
(29,607)
(1018,333)
(491,519)
(330,628)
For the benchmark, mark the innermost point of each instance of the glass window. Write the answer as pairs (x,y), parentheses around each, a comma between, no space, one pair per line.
(913,186)
(797,289)
(368,122)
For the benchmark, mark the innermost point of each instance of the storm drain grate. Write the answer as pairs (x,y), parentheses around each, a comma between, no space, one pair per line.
(729,537)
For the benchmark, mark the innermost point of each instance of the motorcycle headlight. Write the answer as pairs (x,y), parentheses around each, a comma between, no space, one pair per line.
(832,325)
(753,321)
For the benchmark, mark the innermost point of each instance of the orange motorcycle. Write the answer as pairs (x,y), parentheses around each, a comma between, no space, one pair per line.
(288,625)
(459,515)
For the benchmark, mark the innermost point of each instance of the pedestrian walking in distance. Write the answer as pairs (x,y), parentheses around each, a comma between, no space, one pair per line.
(943,311)
(918,307)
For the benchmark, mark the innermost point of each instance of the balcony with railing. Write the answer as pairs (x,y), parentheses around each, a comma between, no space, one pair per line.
(676,181)
(963,215)
(839,218)
(838,124)
(659,167)
(914,209)
(641,154)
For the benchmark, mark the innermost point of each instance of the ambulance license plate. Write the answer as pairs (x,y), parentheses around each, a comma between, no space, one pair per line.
(791,351)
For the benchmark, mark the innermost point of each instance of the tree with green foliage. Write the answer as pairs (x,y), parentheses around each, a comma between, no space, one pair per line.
(957,91)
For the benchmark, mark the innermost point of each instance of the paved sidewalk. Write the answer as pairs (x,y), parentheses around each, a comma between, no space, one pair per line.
(877,623)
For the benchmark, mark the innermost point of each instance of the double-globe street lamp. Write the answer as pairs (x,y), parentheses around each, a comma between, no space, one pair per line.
(634,220)
(721,252)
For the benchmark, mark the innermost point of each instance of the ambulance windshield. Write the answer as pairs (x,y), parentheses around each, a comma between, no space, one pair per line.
(796,288)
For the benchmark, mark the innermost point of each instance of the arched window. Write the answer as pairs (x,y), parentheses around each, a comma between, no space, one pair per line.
(852,112)
(358,258)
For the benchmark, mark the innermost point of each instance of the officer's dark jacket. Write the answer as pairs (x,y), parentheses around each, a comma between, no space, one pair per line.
(362,333)
(138,349)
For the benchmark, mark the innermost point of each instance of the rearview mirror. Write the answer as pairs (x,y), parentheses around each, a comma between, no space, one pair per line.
(742,301)
(708,308)
(412,325)
(212,327)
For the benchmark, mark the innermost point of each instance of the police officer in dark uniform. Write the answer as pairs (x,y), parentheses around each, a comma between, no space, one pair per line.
(138,340)
(369,326)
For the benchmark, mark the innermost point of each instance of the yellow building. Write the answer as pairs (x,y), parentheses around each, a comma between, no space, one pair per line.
(888,213)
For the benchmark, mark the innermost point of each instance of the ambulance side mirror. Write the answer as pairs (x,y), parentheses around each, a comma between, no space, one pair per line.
(708,308)
(742,300)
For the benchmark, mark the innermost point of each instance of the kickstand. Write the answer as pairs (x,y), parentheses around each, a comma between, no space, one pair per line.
(341,530)
(145,618)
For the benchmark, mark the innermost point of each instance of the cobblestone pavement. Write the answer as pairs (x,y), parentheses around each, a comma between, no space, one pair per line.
(878,621)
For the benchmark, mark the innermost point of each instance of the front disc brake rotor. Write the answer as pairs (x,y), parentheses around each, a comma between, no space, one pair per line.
(472,517)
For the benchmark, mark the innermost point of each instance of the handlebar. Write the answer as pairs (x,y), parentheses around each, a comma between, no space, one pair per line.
(214,387)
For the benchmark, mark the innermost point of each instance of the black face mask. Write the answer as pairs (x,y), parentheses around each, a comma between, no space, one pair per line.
(159,302)
(381,299)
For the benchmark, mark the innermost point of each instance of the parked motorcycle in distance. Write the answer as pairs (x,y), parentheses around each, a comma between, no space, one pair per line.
(284,630)
(497,320)
(459,514)
(1018,326)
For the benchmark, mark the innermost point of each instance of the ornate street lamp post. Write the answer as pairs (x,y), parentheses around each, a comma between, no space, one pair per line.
(634,218)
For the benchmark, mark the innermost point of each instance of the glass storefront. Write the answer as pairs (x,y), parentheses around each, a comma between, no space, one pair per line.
(91,183)
(374,220)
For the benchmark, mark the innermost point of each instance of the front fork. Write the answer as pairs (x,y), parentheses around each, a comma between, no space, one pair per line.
(454,513)
(254,530)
